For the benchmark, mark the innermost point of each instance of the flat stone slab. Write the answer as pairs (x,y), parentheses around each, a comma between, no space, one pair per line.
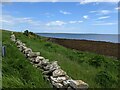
(78,84)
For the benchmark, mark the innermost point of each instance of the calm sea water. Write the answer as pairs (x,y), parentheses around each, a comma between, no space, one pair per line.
(95,37)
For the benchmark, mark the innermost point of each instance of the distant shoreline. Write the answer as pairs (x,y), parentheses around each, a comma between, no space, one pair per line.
(99,47)
(79,33)
(112,38)
(83,40)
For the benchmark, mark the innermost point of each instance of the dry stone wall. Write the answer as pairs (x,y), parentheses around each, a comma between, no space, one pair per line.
(52,72)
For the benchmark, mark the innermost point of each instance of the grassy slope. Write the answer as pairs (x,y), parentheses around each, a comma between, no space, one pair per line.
(17,71)
(0,59)
(73,62)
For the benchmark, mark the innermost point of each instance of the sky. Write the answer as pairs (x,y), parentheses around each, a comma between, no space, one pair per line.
(61,17)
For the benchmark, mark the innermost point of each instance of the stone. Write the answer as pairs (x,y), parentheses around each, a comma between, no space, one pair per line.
(57,85)
(20,48)
(27,50)
(58,79)
(58,72)
(41,58)
(66,83)
(45,62)
(38,59)
(33,54)
(24,48)
(78,84)
(70,88)
(23,44)
(13,38)
(52,66)
(38,64)
(18,42)
(31,59)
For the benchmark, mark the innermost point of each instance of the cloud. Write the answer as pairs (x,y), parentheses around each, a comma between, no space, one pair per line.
(64,12)
(29,0)
(104,17)
(73,22)
(104,11)
(101,24)
(11,20)
(55,23)
(5,21)
(91,1)
(49,15)
(81,1)
(85,17)
(93,11)
(101,12)
(80,21)
(117,8)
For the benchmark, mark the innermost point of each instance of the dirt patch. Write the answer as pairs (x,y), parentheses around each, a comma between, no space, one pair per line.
(99,47)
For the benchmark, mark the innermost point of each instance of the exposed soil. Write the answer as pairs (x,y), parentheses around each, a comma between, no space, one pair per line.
(99,47)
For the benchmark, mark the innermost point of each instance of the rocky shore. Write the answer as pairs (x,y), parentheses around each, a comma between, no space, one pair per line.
(52,72)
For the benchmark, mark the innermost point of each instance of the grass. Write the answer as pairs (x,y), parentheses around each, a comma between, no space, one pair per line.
(17,71)
(75,63)
(0,59)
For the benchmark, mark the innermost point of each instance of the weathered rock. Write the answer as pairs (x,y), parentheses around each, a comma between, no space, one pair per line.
(38,59)
(13,38)
(18,42)
(58,72)
(70,88)
(20,48)
(78,84)
(52,66)
(41,58)
(27,50)
(23,44)
(38,64)
(24,48)
(66,83)
(33,54)
(57,85)
(31,59)
(45,62)
(58,79)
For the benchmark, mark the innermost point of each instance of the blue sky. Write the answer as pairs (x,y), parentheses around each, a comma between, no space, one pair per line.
(61,17)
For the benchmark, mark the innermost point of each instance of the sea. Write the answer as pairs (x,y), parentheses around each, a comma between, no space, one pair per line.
(114,38)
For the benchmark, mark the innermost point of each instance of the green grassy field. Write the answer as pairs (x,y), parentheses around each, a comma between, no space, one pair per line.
(96,70)
(17,71)
(0,59)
